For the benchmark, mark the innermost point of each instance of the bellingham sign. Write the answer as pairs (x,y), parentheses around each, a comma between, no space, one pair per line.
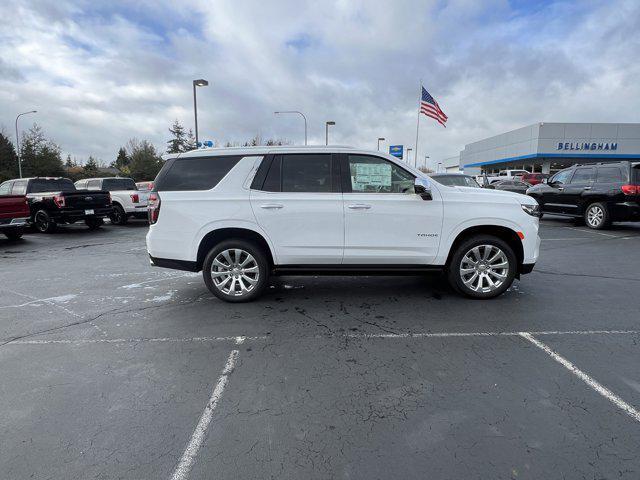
(587,146)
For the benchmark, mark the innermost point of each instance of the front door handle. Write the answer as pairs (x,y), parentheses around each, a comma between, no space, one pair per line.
(272,206)
(587,188)
(560,188)
(359,206)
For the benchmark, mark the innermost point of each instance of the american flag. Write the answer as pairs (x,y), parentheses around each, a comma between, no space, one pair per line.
(430,108)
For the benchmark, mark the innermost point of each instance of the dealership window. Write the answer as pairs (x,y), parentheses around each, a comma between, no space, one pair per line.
(377,175)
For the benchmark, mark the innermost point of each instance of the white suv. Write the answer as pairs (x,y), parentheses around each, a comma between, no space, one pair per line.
(243,214)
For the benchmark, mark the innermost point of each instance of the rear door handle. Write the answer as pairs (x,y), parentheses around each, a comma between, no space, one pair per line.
(272,206)
(359,206)
(587,188)
(560,188)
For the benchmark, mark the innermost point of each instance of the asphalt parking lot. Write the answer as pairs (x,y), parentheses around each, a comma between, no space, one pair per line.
(114,369)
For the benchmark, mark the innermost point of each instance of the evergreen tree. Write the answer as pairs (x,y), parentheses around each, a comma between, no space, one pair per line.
(145,160)
(122,161)
(190,142)
(180,141)
(40,156)
(8,159)
(69,163)
(90,168)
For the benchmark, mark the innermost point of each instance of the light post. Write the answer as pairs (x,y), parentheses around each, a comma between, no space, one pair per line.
(409,154)
(197,83)
(380,139)
(438,167)
(425,160)
(299,113)
(18,142)
(326,131)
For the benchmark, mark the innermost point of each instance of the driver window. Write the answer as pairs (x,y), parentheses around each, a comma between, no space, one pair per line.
(561,177)
(377,175)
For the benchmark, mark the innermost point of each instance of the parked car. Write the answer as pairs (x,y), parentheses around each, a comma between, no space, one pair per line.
(455,179)
(144,186)
(504,175)
(55,200)
(240,215)
(534,178)
(598,193)
(126,199)
(510,186)
(14,212)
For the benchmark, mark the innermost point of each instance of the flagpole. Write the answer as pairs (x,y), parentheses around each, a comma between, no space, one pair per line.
(418,127)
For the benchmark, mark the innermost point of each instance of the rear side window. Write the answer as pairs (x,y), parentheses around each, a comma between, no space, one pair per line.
(5,188)
(201,173)
(306,173)
(113,184)
(93,184)
(609,175)
(583,175)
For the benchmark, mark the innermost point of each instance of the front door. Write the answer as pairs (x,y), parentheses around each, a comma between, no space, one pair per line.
(572,197)
(298,204)
(552,201)
(386,222)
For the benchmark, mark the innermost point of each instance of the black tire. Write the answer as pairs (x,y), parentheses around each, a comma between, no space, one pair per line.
(597,216)
(119,216)
(93,222)
(14,233)
(260,260)
(43,223)
(456,277)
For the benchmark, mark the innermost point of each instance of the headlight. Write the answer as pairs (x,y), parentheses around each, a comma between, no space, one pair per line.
(533,210)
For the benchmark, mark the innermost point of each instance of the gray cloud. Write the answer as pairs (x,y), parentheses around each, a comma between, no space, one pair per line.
(99,75)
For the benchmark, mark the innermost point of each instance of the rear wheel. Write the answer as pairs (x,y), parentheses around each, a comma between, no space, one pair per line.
(94,223)
(119,216)
(236,271)
(597,216)
(482,267)
(43,222)
(14,233)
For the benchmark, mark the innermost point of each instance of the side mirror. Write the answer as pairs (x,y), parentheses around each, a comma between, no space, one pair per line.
(422,187)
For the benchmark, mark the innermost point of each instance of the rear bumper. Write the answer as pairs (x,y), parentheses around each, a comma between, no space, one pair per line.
(13,222)
(626,211)
(65,215)
(185,265)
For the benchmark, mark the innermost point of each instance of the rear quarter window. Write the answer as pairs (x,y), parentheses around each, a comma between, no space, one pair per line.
(199,173)
(609,175)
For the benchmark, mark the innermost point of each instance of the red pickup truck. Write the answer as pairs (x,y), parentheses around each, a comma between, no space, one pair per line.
(14,213)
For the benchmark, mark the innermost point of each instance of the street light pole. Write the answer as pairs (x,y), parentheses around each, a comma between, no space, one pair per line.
(299,113)
(197,83)
(326,131)
(18,151)
(380,139)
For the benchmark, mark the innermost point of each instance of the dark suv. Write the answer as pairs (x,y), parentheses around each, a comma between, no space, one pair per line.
(599,193)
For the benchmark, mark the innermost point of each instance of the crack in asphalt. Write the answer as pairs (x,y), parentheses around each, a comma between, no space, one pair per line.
(585,275)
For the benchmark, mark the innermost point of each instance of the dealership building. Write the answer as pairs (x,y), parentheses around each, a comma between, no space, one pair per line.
(549,147)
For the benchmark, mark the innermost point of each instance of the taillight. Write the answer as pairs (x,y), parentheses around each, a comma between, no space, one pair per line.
(153,207)
(59,201)
(135,198)
(631,189)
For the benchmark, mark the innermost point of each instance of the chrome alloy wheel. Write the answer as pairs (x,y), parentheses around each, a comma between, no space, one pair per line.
(484,268)
(235,272)
(595,216)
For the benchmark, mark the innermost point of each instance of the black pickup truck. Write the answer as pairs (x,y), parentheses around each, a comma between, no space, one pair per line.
(55,200)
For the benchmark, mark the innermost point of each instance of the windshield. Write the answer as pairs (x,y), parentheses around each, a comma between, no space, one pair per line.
(38,185)
(113,184)
(456,181)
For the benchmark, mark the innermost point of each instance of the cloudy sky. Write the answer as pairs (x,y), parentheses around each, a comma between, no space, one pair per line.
(100,73)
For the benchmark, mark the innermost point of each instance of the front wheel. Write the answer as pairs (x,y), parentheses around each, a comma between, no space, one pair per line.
(597,216)
(236,271)
(482,267)
(94,222)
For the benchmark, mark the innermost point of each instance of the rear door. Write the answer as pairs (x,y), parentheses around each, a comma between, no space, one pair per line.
(578,188)
(296,199)
(386,222)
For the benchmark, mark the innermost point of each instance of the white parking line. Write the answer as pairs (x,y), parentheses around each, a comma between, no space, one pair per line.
(489,334)
(592,231)
(602,390)
(238,340)
(189,456)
